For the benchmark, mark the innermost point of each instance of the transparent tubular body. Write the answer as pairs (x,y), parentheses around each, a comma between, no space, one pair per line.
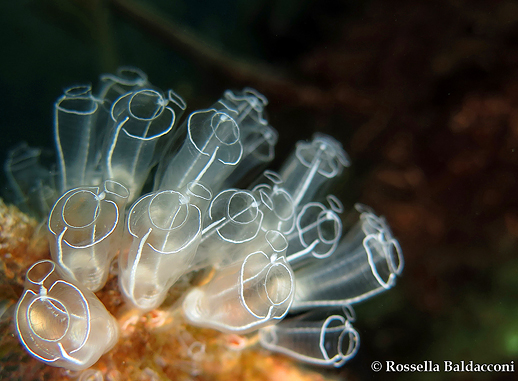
(258,151)
(279,210)
(245,295)
(86,231)
(210,152)
(313,338)
(234,217)
(257,136)
(143,122)
(164,231)
(32,184)
(365,263)
(60,323)
(77,117)
(318,230)
(312,166)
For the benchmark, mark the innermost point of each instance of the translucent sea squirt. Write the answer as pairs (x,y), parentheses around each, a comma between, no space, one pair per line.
(61,323)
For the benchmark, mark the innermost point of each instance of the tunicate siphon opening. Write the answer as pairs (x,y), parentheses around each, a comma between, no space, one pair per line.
(199,190)
(81,209)
(225,128)
(334,149)
(372,224)
(273,177)
(78,91)
(394,256)
(116,188)
(283,205)
(39,271)
(131,75)
(48,318)
(263,142)
(77,105)
(335,204)
(348,343)
(146,104)
(242,208)
(255,285)
(265,199)
(276,240)
(176,99)
(328,226)
(167,211)
(278,284)
(378,260)
(330,165)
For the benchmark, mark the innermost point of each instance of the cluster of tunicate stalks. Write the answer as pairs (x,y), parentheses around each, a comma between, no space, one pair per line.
(283,263)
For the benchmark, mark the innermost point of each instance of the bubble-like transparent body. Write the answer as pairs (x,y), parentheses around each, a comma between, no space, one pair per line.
(257,136)
(234,218)
(278,208)
(318,230)
(365,263)
(143,123)
(61,323)
(85,228)
(164,231)
(312,167)
(313,338)
(243,296)
(210,152)
(78,119)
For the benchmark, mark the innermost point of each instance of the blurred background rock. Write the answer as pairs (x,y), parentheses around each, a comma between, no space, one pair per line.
(423,95)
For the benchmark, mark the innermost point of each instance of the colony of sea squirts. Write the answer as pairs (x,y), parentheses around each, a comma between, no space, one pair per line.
(278,263)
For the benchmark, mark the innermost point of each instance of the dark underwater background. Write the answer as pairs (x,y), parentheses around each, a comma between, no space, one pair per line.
(422,94)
